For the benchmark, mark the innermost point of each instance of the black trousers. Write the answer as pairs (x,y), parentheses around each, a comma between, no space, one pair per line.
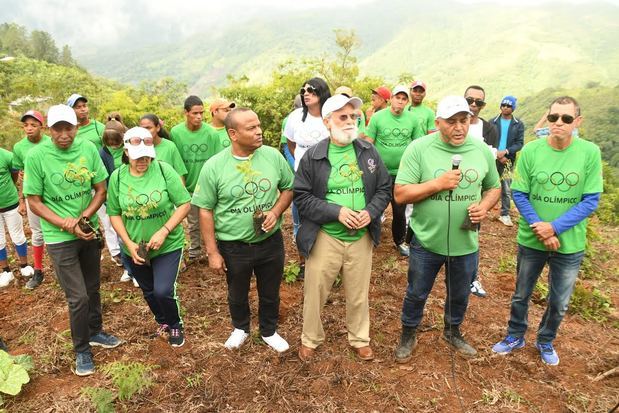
(77,265)
(398,223)
(264,259)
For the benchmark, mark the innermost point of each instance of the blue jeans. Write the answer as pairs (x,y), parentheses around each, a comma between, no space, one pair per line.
(505,196)
(423,267)
(563,271)
(296,222)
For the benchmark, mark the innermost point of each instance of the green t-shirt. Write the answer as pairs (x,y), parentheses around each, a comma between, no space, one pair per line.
(233,188)
(361,122)
(145,203)
(345,188)
(195,147)
(21,149)
(117,154)
(283,140)
(426,117)
(93,132)
(391,135)
(8,191)
(222,137)
(63,179)
(556,180)
(426,159)
(167,152)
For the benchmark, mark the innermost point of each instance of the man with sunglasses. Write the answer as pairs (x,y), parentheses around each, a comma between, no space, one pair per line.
(557,185)
(391,131)
(341,189)
(486,132)
(219,110)
(511,138)
(59,179)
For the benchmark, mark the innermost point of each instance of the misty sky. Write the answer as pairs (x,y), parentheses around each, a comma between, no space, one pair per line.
(88,23)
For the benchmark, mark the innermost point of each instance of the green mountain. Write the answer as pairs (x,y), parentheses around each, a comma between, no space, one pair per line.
(509,49)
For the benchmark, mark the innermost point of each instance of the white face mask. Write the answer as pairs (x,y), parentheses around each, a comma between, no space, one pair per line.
(344,136)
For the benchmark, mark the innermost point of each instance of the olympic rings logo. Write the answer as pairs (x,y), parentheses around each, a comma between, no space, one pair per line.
(395,132)
(144,199)
(257,190)
(314,135)
(558,180)
(467,178)
(70,177)
(195,148)
(225,142)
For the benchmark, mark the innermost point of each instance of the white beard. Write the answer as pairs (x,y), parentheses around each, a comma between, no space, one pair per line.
(343,137)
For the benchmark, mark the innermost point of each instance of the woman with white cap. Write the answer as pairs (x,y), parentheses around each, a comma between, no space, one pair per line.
(147,202)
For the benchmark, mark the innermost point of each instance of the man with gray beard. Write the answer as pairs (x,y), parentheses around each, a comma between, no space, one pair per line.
(341,189)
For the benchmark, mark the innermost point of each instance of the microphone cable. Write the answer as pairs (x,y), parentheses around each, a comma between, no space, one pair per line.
(448,303)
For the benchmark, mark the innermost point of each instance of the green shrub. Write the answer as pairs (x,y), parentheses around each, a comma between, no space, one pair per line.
(13,373)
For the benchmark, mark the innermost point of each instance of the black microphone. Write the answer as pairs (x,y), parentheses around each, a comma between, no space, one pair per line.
(455,164)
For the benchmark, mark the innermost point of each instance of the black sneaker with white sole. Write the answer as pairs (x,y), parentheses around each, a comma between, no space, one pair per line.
(176,337)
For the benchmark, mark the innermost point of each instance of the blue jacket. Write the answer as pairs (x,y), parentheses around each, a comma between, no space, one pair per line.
(310,189)
(515,139)
(515,136)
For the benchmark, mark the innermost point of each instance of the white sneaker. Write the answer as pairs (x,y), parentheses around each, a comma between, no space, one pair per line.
(506,220)
(135,283)
(27,271)
(477,289)
(276,342)
(236,339)
(5,278)
(125,277)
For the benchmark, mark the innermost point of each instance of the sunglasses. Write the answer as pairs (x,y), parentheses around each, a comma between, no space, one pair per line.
(478,102)
(309,89)
(136,140)
(344,117)
(505,105)
(553,117)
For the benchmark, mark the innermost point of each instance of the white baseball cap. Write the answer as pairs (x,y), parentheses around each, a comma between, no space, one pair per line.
(337,102)
(400,89)
(140,150)
(450,105)
(61,113)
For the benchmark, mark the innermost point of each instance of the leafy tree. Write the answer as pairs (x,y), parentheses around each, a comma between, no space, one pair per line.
(66,58)
(14,39)
(43,46)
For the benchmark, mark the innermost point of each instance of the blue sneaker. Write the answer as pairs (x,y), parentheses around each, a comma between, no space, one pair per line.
(105,340)
(508,344)
(84,366)
(548,353)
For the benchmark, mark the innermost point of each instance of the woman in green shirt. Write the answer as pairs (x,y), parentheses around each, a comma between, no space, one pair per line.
(147,202)
(165,149)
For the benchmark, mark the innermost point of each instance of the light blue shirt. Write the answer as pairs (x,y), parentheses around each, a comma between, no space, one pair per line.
(504,129)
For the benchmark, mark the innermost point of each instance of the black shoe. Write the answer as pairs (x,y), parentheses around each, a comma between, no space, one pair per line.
(454,338)
(3,346)
(176,338)
(408,341)
(301,275)
(36,280)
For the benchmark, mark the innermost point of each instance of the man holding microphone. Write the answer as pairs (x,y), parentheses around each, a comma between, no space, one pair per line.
(448,205)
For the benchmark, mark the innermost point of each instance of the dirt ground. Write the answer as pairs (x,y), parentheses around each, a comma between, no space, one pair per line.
(202,376)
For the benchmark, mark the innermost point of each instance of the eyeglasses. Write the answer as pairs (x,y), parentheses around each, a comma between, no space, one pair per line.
(344,117)
(505,105)
(136,140)
(478,102)
(553,117)
(309,89)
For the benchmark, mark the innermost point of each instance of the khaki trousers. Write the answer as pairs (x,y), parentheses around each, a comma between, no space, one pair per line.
(195,238)
(328,256)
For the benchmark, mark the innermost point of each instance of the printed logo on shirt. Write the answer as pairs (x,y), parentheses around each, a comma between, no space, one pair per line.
(467,178)
(195,148)
(393,137)
(141,206)
(257,190)
(371,165)
(559,180)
